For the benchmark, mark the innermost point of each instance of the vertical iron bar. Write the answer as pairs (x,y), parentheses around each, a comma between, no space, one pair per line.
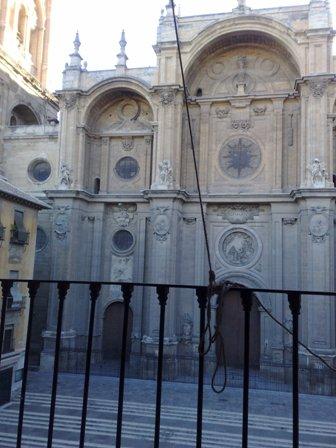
(33,287)
(162,292)
(247,306)
(295,307)
(94,294)
(6,287)
(127,291)
(202,295)
(63,288)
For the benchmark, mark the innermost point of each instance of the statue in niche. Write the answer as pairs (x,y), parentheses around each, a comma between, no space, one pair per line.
(165,176)
(65,178)
(242,78)
(318,174)
(187,329)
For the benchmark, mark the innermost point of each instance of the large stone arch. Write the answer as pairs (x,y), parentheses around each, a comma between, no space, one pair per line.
(114,85)
(263,26)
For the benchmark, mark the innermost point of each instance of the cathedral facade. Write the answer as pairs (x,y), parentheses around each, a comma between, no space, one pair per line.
(118,172)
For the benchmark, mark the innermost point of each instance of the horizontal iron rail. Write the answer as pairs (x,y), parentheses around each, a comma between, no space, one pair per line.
(177,286)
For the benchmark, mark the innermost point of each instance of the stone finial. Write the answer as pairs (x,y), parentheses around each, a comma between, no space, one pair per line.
(77,43)
(241,4)
(169,9)
(122,57)
(75,57)
(242,8)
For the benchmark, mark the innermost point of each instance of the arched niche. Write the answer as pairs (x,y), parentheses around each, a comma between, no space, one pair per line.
(252,60)
(118,126)
(22,115)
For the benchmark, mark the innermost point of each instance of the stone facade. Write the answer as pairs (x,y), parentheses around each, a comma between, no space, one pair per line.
(263,109)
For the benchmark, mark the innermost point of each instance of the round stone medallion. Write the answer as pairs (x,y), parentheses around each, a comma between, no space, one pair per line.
(240,157)
(239,248)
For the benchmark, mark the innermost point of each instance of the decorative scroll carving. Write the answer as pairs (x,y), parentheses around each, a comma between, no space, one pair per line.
(161,223)
(241,125)
(260,110)
(237,213)
(289,221)
(318,173)
(61,222)
(222,113)
(127,143)
(319,226)
(318,88)
(69,100)
(167,97)
(239,248)
(123,214)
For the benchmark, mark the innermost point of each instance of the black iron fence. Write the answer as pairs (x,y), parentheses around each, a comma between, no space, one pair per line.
(159,361)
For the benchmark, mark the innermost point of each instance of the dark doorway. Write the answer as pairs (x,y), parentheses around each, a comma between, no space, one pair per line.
(5,386)
(113,329)
(232,327)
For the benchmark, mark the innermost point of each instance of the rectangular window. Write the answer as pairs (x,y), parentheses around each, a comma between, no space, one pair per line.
(8,340)
(19,233)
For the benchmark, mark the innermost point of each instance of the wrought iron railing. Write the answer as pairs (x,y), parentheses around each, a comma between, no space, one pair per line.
(162,291)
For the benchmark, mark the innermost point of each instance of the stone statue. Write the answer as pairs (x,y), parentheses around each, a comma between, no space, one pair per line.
(318,174)
(187,329)
(242,78)
(65,178)
(165,175)
(241,4)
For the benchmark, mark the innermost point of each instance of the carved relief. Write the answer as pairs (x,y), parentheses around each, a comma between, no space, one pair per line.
(237,213)
(167,97)
(241,125)
(69,101)
(123,215)
(259,111)
(127,143)
(319,227)
(161,223)
(239,248)
(318,174)
(122,269)
(289,221)
(61,222)
(318,88)
(222,113)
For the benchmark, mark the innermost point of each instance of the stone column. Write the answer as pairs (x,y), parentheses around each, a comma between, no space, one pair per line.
(204,144)
(278,136)
(105,162)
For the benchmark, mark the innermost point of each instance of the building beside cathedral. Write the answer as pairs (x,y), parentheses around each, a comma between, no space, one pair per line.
(118,172)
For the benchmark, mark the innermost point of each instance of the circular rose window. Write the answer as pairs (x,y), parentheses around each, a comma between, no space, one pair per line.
(39,170)
(127,168)
(240,157)
(123,240)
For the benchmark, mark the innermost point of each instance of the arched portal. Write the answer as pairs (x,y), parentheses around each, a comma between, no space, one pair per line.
(113,330)
(22,115)
(232,329)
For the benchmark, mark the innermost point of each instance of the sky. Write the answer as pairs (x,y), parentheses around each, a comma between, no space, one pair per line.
(100,23)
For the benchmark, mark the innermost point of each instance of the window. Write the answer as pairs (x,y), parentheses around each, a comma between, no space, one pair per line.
(39,170)
(41,239)
(127,168)
(8,340)
(123,240)
(19,235)
(96,188)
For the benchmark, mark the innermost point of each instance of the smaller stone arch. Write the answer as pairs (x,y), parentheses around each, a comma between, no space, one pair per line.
(23,115)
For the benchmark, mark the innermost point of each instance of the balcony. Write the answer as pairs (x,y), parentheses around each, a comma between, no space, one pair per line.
(76,393)
(19,236)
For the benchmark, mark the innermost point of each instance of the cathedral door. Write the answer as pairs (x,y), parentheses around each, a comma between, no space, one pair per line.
(113,330)
(232,327)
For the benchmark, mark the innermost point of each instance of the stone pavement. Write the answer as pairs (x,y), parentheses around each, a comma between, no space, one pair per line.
(270,424)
